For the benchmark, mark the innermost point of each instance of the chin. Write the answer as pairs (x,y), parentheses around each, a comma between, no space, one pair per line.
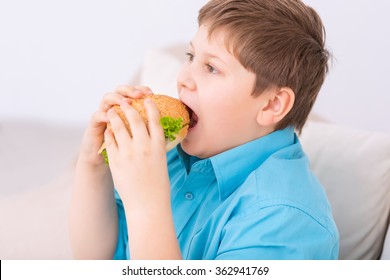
(187,147)
(191,149)
(196,150)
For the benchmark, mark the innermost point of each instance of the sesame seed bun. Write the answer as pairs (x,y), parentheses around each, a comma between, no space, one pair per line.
(167,106)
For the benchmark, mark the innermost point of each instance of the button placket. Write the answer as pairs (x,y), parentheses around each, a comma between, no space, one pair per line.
(187,201)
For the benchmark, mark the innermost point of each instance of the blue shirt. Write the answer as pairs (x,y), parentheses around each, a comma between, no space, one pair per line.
(256,201)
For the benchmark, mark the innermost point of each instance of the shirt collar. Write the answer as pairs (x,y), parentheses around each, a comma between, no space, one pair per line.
(186,159)
(233,166)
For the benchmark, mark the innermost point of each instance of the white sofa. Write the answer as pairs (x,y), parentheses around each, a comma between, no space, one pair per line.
(353,165)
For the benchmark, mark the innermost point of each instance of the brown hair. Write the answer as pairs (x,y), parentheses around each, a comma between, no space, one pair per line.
(281,41)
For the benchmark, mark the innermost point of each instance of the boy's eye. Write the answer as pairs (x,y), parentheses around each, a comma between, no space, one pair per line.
(190,56)
(211,69)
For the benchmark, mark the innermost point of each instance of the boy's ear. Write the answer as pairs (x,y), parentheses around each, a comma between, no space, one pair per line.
(277,104)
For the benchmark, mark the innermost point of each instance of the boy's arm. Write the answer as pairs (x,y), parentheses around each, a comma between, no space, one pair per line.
(139,169)
(150,226)
(93,215)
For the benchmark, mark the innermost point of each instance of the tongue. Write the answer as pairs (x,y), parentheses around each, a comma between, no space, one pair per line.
(194,120)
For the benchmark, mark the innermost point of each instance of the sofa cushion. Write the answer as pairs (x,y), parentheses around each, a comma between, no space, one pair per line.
(354,167)
(35,221)
(37,167)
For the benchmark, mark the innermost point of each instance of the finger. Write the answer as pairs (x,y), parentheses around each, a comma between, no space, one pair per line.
(155,128)
(111,99)
(99,120)
(133,91)
(121,134)
(99,117)
(137,124)
(144,89)
(110,143)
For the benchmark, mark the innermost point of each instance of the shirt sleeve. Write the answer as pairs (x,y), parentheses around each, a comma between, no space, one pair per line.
(122,250)
(277,232)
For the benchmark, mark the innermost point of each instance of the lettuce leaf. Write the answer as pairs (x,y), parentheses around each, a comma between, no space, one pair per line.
(171,127)
(105,156)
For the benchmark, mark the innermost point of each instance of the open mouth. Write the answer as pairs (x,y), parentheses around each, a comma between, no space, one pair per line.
(193,117)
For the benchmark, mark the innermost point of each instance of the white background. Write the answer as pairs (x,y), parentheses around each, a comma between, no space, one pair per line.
(57,58)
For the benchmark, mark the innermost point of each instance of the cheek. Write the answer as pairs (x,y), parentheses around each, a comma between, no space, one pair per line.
(220,114)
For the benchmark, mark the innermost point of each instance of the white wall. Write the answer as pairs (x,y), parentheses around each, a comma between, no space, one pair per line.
(57,58)
(357,91)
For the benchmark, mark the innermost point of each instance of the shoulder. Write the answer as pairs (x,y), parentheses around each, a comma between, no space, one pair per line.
(286,176)
(282,203)
(284,187)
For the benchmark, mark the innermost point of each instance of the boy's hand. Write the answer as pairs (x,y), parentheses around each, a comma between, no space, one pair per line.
(138,162)
(94,134)
(139,169)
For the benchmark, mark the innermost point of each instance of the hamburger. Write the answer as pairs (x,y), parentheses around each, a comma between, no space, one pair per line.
(174,119)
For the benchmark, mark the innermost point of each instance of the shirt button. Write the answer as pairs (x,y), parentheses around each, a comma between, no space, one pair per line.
(189,196)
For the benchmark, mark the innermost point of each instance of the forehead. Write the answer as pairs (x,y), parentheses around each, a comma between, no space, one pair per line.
(214,40)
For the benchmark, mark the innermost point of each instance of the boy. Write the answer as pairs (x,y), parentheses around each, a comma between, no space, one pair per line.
(239,185)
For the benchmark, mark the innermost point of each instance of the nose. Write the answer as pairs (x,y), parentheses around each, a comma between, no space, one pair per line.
(185,78)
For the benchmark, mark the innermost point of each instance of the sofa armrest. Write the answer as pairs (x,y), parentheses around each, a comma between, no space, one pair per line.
(36,188)
(386,247)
